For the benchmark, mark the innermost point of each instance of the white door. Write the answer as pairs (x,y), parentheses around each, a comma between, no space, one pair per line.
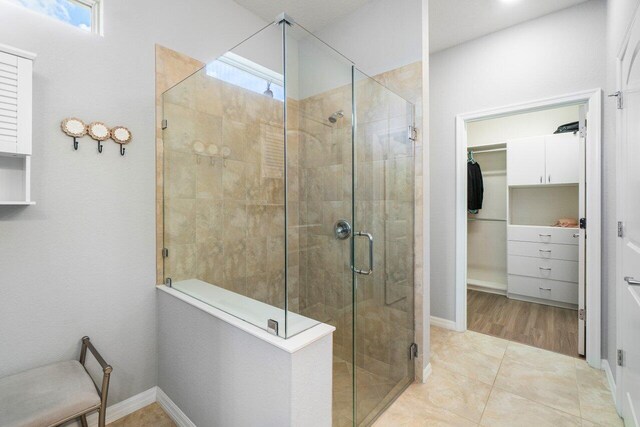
(562,153)
(628,283)
(525,161)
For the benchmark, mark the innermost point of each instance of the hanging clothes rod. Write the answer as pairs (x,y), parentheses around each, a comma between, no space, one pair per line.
(487,151)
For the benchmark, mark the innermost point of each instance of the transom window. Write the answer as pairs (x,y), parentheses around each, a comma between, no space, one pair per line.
(83,14)
(239,71)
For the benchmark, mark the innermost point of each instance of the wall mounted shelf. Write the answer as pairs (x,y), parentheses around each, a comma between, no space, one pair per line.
(16,105)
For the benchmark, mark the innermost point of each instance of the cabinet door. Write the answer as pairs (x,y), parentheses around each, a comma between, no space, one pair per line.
(525,161)
(562,158)
(8,103)
(15,104)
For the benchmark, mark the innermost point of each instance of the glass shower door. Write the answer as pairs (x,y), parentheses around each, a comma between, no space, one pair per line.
(383,247)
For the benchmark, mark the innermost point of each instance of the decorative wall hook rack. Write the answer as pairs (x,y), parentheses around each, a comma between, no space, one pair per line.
(76,128)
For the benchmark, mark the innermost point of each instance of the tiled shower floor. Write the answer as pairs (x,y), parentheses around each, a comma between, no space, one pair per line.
(373,392)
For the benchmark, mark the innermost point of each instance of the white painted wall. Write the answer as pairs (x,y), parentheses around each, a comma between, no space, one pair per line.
(220,375)
(379,36)
(619,16)
(502,129)
(550,56)
(82,260)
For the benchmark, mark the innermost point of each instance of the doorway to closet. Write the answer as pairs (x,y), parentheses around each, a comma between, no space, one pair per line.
(524,264)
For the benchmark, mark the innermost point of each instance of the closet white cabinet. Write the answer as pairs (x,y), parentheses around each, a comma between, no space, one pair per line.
(562,153)
(526,161)
(543,265)
(543,160)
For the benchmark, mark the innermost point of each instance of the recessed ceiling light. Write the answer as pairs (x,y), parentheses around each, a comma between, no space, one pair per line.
(509,1)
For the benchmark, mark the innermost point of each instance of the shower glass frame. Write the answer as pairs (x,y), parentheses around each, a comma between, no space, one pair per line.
(354,169)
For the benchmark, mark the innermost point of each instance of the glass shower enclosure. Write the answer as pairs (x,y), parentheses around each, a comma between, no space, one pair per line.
(289,201)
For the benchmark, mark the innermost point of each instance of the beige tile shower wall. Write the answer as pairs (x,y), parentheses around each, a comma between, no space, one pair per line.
(223,201)
(385,207)
(325,196)
(407,82)
(171,68)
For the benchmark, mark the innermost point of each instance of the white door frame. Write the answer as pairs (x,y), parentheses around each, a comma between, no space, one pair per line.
(593,98)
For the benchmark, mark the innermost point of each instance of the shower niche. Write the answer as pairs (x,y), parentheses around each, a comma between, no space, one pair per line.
(265,150)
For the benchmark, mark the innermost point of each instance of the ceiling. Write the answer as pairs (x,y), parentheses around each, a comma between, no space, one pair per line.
(311,14)
(452,22)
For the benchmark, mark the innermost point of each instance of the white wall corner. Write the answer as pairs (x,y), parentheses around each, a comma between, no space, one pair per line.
(126,407)
(176,414)
(443,323)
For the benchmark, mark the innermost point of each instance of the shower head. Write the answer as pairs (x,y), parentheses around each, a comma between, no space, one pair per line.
(268,92)
(335,116)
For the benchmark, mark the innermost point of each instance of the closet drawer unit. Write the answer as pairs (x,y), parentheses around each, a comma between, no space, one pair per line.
(553,290)
(543,250)
(552,269)
(564,236)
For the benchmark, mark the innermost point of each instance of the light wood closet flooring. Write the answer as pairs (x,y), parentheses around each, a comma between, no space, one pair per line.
(550,328)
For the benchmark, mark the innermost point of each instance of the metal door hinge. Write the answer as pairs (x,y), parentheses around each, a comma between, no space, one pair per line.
(165,253)
(164,124)
(620,229)
(620,358)
(583,131)
(412,133)
(581,314)
(413,351)
(618,96)
(168,282)
(583,223)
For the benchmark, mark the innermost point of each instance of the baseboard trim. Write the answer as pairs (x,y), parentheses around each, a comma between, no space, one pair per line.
(172,410)
(487,289)
(443,323)
(604,365)
(426,373)
(126,407)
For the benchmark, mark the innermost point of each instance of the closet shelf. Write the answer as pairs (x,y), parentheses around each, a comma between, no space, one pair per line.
(493,173)
(487,219)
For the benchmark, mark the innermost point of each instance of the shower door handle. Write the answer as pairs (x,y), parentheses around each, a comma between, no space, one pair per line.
(370,238)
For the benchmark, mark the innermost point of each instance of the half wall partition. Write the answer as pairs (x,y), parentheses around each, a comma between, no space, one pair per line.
(288,201)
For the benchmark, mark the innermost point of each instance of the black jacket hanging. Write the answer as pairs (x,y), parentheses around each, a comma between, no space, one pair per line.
(475,186)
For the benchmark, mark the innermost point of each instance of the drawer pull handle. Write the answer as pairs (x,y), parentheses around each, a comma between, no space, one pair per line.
(546,251)
(545,268)
(544,235)
(545,289)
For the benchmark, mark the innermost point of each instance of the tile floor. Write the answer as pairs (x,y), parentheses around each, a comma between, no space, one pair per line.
(482,380)
(479,380)
(149,416)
